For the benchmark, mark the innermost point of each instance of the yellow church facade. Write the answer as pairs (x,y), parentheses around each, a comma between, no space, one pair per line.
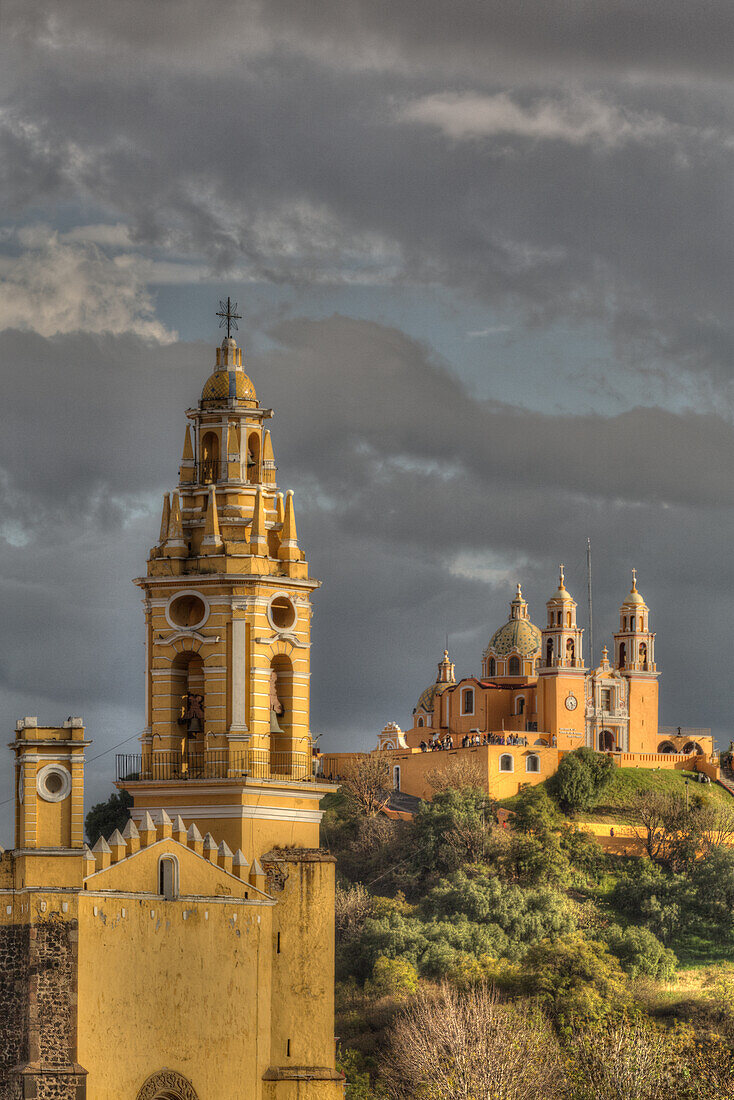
(536,699)
(190,957)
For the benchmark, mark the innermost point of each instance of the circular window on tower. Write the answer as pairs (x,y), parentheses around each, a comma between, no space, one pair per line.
(53,783)
(282,613)
(187,610)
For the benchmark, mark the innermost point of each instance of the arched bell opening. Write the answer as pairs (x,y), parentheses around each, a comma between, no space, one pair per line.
(210,457)
(281,715)
(253,459)
(189,702)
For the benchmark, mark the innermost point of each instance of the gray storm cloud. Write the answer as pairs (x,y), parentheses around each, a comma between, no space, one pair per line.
(544,166)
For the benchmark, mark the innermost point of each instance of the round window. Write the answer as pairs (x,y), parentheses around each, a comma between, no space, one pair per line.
(282,613)
(187,610)
(53,783)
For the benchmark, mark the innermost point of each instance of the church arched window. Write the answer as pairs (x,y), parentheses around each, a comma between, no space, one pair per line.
(568,618)
(420,722)
(622,655)
(643,655)
(520,704)
(507,764)
(532,763)
(570,650)
(168,877)
(514,669)
(549,652)
(492,667)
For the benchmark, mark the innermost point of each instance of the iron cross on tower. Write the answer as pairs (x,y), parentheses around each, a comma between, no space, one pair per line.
(229,315)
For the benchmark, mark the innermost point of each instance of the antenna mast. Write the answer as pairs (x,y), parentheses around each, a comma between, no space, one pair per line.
(591,610)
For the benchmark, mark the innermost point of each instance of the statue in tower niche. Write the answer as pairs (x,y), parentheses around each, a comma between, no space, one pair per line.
(277,710)
(192,713)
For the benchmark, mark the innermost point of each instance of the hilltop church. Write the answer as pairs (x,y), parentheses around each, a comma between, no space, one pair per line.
(190,957)
(534,700)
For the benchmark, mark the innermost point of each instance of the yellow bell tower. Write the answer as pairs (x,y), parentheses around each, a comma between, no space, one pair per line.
(634,653)
(561,672)
(227,599)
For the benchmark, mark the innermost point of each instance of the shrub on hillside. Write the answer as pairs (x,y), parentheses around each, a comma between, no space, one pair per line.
(524,915)
(535,813)
(640,952)
(631,1060)
(392,978)
(580,779)
(453,1043)
(450,831)
(577,980)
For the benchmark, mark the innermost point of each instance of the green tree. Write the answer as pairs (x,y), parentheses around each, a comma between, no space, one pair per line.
(535,813)
(392,977)
(524,915)
(578,980)
(105,817)
(640,952)
(580,779)
(353,1064)
(451,830)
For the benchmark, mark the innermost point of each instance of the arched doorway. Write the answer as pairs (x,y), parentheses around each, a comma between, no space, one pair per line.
(607,741)
(666,746)
(693,747)
(167,1085)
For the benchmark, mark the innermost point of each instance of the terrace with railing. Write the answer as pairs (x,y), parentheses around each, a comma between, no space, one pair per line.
(214,764)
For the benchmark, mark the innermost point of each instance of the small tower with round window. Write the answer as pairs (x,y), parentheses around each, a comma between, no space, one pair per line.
(49,785)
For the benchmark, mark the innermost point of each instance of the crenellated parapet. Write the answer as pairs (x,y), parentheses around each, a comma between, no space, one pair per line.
(154,830)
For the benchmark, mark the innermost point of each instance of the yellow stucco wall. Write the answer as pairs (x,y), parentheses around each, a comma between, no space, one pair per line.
(158,990)
(303,965)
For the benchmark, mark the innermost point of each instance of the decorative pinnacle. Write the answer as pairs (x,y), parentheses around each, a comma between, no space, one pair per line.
(229,315)
(518,594)
(634,580)
(562,579)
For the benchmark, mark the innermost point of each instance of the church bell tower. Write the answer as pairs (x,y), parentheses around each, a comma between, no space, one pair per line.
(227,600)
(561,672)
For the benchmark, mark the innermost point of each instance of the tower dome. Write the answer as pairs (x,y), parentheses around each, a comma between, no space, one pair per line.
(518,635)
(444,680)
(634,599)
(229,381)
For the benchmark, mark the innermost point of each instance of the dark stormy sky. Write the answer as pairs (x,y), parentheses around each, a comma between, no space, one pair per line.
(484,254)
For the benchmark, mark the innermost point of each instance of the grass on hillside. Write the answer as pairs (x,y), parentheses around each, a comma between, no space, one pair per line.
(614,806)
(615,802)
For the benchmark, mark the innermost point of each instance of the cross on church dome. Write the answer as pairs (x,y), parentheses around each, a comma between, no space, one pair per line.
(229,315)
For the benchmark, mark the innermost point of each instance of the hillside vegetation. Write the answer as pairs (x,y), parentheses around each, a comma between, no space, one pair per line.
(522,962)
(616,802)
